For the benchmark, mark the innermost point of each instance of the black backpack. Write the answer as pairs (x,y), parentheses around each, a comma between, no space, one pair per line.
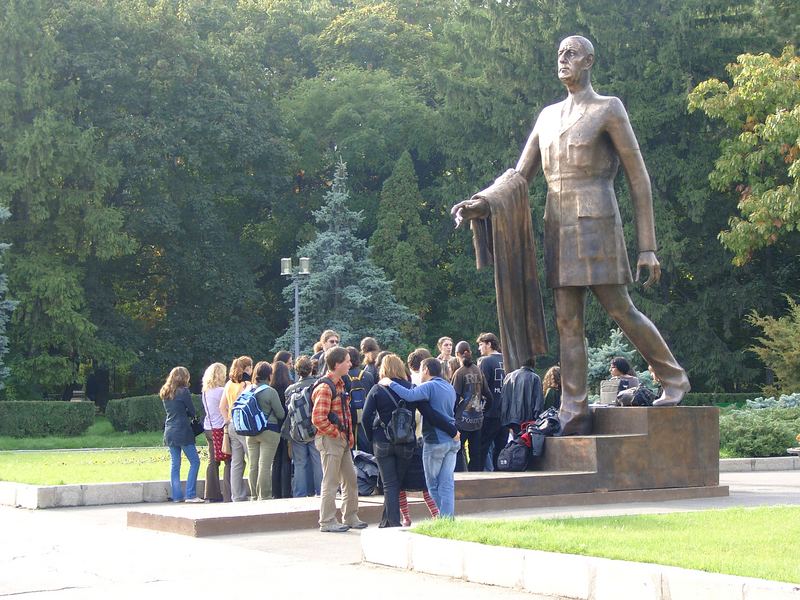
(299,406)
(547,423)
(367,472)
(643,397)
(514,457)
(401,428)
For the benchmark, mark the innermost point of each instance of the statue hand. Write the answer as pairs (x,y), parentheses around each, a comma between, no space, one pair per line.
(474,208)
(650,262)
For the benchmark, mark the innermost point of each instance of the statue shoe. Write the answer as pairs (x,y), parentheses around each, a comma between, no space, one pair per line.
(673,394)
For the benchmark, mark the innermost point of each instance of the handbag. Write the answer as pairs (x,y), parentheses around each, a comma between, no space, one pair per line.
(218,437)
(197,426)
(226,444)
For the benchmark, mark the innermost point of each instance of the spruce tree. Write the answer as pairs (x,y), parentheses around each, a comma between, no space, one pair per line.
(600,357)
(346,291)
(402,245)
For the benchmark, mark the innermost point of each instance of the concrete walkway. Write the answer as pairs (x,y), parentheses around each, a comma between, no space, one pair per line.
(87,553)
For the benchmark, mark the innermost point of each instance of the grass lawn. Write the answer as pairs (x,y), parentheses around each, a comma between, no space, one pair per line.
(752,542)
(91,466)
(100,435)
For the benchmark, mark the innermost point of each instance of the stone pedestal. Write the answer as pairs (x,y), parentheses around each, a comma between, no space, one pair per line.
(631,448)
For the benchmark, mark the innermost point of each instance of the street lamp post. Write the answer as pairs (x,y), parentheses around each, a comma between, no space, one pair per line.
(295,273)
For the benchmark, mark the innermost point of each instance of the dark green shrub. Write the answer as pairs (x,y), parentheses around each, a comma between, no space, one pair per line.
(142,413)
(39,419)
(714,398)
(759,433)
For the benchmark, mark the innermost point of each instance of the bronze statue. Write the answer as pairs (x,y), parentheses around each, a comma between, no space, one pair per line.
(580,143)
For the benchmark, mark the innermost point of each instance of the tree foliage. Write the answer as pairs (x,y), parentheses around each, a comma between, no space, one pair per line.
(402,245)
(6,306)
(56,179)
(160,157)
(779,346)
(762,163)
(345,290)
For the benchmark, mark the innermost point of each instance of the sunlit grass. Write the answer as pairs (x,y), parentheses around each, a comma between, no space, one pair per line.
(101,466)
(753,542)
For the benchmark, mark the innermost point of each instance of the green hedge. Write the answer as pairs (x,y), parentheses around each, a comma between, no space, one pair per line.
(759,433)
(142,413)
(39,419)
(715,398)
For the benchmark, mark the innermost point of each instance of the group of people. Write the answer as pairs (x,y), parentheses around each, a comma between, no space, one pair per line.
(354,393)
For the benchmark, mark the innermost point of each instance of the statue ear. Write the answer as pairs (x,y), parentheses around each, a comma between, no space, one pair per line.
(589,61)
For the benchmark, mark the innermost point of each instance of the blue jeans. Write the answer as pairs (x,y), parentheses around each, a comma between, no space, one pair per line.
(307,479)
(175,471)
(439,461)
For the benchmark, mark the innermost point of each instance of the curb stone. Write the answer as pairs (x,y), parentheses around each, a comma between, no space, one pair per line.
(561,576)
(25,495)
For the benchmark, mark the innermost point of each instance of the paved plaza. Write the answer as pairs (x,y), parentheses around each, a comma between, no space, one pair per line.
(86,553)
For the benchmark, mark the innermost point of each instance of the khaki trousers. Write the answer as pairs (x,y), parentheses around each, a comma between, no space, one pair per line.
(260,452)
(337,468)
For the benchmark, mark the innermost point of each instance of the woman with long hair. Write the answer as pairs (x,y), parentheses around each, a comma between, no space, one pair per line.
(261,448)
(552,388)
(214,426)
(281,463)
(178,436)
(369,350)
(238,380)
(284,356)
(622,370)
(393,459)
(472,391)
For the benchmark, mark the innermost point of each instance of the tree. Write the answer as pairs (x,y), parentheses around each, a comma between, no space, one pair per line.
(6,306)
(374,36)
(190,115)
(366,117)
(762,163)
(345,291)
(779,346)
(600,356)
(402,245)
(55,178)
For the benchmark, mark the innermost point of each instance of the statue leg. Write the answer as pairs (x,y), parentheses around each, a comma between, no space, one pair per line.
(647,340)
(574,413)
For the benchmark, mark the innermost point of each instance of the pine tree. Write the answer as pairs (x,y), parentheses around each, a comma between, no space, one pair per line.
(346,291)
(6,306)
(401,244)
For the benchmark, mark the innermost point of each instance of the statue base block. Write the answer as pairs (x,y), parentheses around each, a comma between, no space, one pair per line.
(631,448)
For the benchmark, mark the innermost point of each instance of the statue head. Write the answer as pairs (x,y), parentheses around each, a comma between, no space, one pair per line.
(575,60)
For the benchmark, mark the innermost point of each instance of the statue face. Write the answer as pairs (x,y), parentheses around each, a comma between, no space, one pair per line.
(573,61)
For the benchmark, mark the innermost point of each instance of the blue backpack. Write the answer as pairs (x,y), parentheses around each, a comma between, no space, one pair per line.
(358,394)
(246,414)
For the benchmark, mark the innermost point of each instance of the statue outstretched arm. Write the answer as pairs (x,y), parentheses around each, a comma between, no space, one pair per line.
(476,207)
(531,158)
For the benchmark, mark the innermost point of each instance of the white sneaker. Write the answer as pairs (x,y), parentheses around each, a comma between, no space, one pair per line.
(195,501)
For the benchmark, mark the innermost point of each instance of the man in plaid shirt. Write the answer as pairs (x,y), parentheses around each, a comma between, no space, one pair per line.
(331,417)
